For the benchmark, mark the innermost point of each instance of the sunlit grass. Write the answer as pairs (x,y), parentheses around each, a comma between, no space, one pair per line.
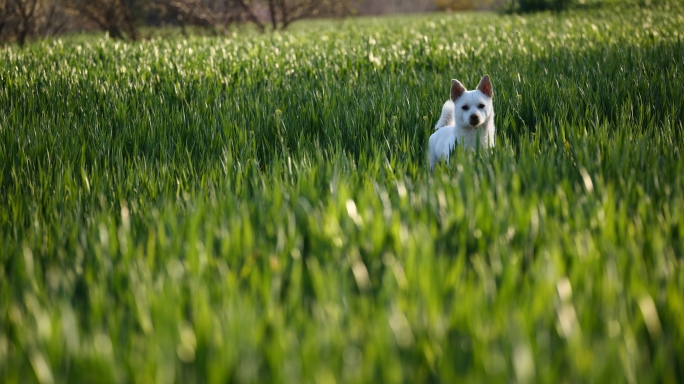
(258,208)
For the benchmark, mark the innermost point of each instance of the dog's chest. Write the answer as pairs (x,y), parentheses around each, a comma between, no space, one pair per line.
(469,138)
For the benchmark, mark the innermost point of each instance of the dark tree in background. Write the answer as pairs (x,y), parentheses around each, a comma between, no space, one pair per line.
(525,6)
(264,14)
(4,14)
(21,20)
(116,17)
(25,19)
(283,12)
(216,15)
(121,18)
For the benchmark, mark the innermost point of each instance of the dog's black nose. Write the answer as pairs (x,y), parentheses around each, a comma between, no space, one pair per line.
(474,120)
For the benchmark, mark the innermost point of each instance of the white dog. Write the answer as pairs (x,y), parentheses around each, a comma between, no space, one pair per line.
(467,119)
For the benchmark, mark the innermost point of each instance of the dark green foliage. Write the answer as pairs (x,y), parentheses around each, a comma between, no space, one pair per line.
(526,6)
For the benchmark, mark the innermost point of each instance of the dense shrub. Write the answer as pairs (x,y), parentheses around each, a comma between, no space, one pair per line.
(525,6)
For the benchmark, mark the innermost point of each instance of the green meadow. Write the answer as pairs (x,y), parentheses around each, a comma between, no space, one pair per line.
(259,207)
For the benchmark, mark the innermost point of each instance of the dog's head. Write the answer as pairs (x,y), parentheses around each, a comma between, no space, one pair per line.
(472,108)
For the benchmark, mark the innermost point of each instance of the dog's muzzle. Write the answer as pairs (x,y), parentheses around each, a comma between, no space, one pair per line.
(474,120)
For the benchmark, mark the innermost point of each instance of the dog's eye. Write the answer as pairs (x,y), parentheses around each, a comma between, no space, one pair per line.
(465,107)
(481,106)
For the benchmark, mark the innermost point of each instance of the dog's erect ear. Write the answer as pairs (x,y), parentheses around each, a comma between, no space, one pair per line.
(485,86)
(457,89)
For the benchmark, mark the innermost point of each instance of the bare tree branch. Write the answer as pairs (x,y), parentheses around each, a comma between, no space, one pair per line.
(21,20)
(289,11)
(112,16)
(5,12)
(217,15)
(251,16)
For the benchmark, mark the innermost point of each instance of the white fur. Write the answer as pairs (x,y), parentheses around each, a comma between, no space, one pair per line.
(447,117)
(461,129)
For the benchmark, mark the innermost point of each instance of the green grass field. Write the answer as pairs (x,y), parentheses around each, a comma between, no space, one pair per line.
(258,208)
